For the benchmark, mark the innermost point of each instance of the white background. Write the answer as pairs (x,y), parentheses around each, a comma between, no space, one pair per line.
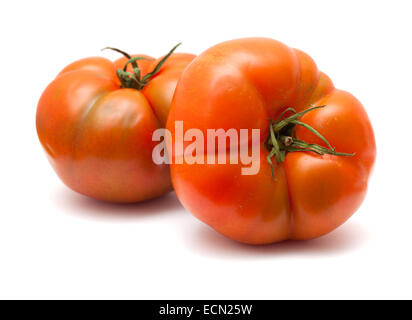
(55,243)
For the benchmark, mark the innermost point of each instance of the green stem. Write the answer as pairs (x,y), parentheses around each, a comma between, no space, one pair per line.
(281,138)
(283,123)
(128,56)
(133,62)
(156,69)
(285,111)
(313,131)
(134,80)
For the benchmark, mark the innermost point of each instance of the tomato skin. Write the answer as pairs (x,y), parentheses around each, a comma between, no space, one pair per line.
(98,136)
(241,84)
(160,89)
(247,208)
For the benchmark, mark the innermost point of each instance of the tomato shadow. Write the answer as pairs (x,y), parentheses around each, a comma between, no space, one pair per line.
(348,237)
(82,206)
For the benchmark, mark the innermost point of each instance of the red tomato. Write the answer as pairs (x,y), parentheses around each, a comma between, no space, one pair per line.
(241,84)
(97,130)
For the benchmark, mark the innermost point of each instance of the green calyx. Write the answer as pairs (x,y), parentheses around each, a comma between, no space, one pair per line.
(135,80)
(282,138)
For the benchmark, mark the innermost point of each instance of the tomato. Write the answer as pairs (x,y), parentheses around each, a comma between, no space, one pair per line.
(309,186)
(96,125)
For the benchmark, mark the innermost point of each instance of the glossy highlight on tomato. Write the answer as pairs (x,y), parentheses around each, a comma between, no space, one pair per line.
(97,133)
(245,84)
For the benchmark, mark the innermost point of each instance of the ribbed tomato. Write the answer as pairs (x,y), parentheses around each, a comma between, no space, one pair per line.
(95,121)
(314,166)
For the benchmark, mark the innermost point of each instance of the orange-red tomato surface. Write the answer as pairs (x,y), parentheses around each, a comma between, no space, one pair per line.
(242,84)
(98,136)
